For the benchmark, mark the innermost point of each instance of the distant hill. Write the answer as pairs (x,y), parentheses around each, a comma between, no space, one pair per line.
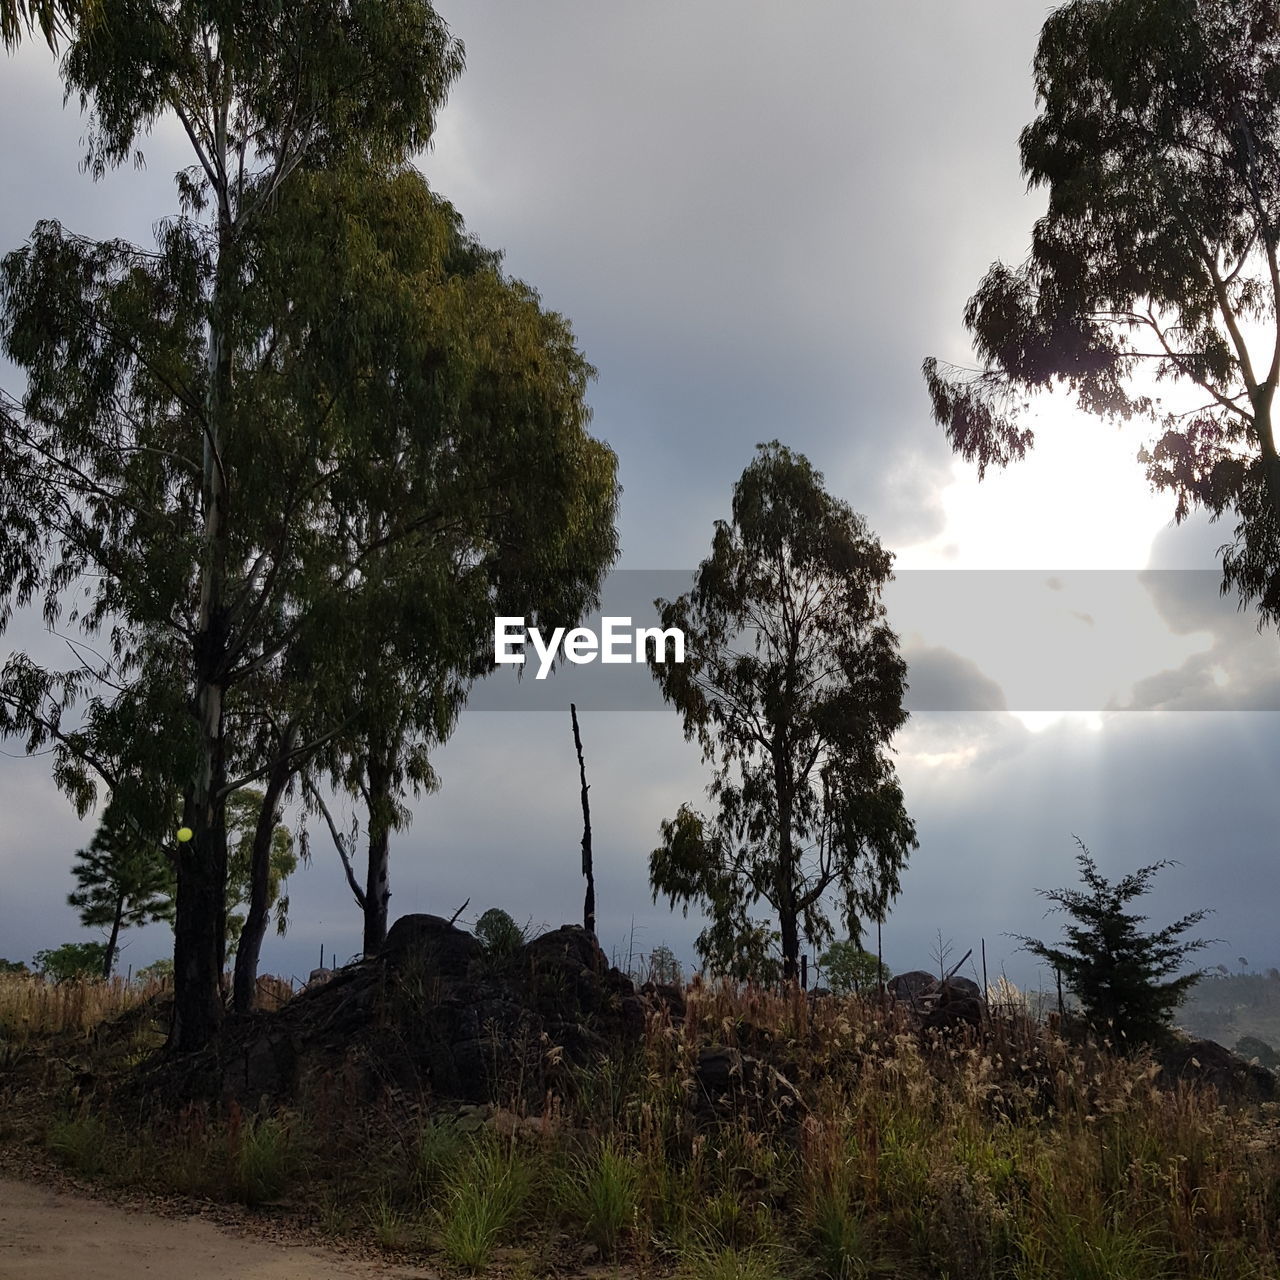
(1227,1007)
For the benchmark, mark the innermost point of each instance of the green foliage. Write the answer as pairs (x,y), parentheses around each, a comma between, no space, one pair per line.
(1158,144)
(502,938)
(53,19)
(157,971)
(714,1262)
(80,1141)
(1121,975)
(793,687)
(482,1201)
(664,966)
(303,448)
(600,1194)
(846,968)
(439,1148)
(263,1160)
(498,933)
(243,809)
(72,961)
(13,967)
(125,877)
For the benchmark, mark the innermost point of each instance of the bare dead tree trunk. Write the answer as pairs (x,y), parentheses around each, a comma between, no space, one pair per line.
(589,906)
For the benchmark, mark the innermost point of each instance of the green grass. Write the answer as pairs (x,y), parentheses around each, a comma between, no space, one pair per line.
(81,1142)
(599,1195)
(483,1198)
(263,1159)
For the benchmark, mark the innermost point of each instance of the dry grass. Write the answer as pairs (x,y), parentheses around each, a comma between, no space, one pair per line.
(31,1008)
(1017,1156)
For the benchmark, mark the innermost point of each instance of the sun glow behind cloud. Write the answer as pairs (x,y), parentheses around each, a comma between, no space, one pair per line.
(1079,501)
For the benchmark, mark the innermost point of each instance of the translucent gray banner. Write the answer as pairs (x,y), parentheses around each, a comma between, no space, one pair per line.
(975,640)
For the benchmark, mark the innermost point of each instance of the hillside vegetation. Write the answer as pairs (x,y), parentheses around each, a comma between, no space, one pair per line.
(739,1132)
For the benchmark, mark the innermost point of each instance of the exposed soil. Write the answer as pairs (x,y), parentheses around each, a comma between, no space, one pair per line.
(57,1235)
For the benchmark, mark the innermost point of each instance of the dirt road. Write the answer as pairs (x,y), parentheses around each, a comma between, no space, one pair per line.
(49,1235)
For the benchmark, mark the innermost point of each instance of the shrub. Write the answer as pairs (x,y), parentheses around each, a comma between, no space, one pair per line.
(500,937)
(262,1158)
(80,1142)
(1120,974)
(72,960)
(847,968)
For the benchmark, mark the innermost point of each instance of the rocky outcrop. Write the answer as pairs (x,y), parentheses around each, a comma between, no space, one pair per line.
(1208,1062)
(907,987)
(429,1014)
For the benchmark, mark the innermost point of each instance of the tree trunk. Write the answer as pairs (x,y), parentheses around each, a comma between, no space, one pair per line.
(110,958)
(249,948)
(588,870)
(200,922)
(788,914)
(377,892)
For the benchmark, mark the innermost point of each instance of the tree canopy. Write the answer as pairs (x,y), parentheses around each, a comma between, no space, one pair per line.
(124,877)
(1121,974)
(314,435)
(1157,141)
(793,687)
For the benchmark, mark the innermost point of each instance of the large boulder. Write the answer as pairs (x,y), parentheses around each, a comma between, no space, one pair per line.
(429,1013)
(956,988)
(430,944)
(910,986)
(1210,1063)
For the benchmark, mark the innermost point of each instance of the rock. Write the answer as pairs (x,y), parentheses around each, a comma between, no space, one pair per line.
(440,948)
(959,988)
(667,996)
(1211,1063)
(471,1119)
(319,977)
(718,1070)
(908,987)
(958,1011)
(424,1014)
(569,947)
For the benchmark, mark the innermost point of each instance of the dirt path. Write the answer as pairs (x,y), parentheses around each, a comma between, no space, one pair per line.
(50,1235)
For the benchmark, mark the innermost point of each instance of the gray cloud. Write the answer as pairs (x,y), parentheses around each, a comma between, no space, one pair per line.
(760,220)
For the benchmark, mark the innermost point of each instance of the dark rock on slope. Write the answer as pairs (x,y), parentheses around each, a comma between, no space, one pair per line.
(431,1013)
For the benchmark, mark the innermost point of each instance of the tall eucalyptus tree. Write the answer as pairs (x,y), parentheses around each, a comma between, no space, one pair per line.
(284,423)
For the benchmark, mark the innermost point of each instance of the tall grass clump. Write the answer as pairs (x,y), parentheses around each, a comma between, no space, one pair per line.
(483,1198)
(599,1195)
(262,1157)
(81,1141)
(32,1007)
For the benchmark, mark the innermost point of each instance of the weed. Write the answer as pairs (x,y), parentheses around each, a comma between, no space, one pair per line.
(599,1195)
(81,1142)
(483,1198)
(262,1157)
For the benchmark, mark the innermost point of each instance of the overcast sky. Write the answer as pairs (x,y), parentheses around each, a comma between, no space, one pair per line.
(760,220)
